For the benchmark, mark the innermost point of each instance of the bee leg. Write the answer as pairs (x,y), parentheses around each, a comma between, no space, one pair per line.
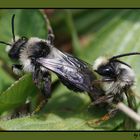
(102,99)
(42,80)
(17,69)
(112,110)
(98,90)
(107,116)
(102,80)
(50,37)
(104,118)
(131,99)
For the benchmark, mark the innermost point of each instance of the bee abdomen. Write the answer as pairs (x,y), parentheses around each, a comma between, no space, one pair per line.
(70,85)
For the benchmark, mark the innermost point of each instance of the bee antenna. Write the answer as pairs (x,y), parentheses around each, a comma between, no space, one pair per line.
(123,55)
(12,22)
(2,42)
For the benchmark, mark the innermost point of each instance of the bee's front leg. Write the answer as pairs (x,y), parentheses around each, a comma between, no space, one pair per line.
(17,69)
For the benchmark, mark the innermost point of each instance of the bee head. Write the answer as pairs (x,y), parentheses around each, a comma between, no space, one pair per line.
(14,48)
(104,67)
(111,67)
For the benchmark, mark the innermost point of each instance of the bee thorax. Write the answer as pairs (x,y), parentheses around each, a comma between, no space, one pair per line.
(127,75)
(26,61)
(27,66)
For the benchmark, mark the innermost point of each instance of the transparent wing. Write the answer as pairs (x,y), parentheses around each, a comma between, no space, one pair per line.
(71,70)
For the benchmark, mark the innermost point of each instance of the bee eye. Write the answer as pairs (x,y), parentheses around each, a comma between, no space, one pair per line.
(106,70)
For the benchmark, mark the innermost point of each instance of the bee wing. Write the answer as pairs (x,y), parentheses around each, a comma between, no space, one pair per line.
(71,70)
(61,68)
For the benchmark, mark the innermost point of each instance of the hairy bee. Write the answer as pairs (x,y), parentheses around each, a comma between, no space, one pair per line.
(117,78)
(40,57)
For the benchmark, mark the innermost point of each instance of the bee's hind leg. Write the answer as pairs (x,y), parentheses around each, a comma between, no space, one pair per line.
(104,118)
(42,79)
(107,116)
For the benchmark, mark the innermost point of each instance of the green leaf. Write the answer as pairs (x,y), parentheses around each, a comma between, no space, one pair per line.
(17,93)
(70,24)
(65,111)
(5,80)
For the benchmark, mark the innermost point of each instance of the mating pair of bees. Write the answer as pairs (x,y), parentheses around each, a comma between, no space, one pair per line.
(40,57)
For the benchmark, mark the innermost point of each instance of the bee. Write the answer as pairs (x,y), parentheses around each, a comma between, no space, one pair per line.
(117,78)
(40,57)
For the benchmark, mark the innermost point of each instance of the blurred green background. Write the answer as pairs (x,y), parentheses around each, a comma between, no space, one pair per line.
(85,33)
